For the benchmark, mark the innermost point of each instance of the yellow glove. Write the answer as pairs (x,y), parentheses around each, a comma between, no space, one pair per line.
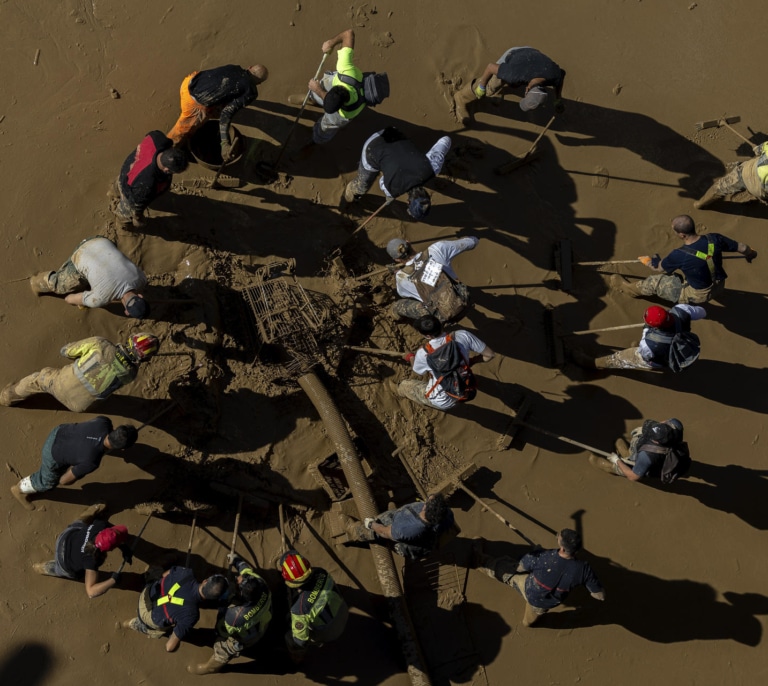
(645,259)
(479,91)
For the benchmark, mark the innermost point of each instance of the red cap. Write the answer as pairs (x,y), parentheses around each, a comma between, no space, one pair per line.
(657,317)
(109,539)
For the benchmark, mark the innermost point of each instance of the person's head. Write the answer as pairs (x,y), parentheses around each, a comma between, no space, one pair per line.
(172,161)
(251,588)
(259,73)
(335,98)
(570,541)
(124,436)
(683,225)
(142,346)
(214,587)
(533,98)
(429,326)
(109,539)
(662,433)
(294,568)
(135,305)
(399,249)
(434,509)
(419,202)
(658,318)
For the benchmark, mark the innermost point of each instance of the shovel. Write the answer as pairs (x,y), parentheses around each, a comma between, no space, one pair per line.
(504,169)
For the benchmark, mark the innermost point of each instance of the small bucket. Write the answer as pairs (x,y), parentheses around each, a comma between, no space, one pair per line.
(205,145)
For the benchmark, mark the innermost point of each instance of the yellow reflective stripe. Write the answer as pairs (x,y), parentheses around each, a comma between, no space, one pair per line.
(707,256)
(170,597)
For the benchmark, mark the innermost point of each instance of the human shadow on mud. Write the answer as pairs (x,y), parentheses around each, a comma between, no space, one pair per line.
(731,488)
(27,664)
(649,139)
(231,226)
(568,415)
(743,313)
(663,610)
(728,383)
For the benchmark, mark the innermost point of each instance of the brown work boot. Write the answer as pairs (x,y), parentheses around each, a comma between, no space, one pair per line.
(461,101)
(708,198)
(91,512)
(602,464)
(622,447)
(494,86)
(40,283)
(23,498)
(210,667)
(46,568)
(8,395)
(618,283)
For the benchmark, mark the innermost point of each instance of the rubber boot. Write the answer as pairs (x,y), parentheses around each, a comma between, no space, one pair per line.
(622,447)
(602,464)
(88,515)
(46,568)
(494,86)
(631,288)
(8,395)
(40,283)
(708,198)
(210,667)
(22,490)
(462,100)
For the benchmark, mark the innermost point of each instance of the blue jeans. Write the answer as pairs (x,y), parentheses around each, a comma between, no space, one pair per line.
(47,477)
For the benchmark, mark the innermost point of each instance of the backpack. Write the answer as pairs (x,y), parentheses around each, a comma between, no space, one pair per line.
(677,460)
(374,88)
(442,300)
(451,370)
(684,350)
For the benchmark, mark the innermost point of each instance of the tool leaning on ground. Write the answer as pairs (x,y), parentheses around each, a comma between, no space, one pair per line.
(135,542)
(298,116)
(724,121)
(529,156)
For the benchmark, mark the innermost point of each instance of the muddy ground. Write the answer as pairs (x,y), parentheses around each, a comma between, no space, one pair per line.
(683,566)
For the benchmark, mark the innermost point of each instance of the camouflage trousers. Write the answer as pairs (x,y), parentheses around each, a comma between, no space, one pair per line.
(672,288)
(62,384)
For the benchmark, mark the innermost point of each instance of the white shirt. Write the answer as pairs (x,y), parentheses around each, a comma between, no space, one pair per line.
(695,311)
(109,273)
(467,342)
(436,157)
(441,252)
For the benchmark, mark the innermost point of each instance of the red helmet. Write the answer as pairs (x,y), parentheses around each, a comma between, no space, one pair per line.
(142,346)
(657,317)
(109,539)
(294,568)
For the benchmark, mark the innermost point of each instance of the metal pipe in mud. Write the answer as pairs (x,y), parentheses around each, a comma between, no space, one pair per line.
(366,507)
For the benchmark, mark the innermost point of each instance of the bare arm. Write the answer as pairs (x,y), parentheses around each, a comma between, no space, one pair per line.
(382,531)
(626,470)
(96,588)
(535,82)
(346,38)
(172,643)
(600,595)
(75,299)
(67,478)
(490,70)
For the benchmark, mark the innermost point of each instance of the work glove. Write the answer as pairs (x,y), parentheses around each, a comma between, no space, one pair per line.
(750,255)
(758,149)
(475,359)
(127,557)
(368,523)
(394,268)
(390,199)
(233,559)
(645,259)
(226,151)
(656,261)
(559,106)
(479,91)
(408,357)
(613,458)
(116,577)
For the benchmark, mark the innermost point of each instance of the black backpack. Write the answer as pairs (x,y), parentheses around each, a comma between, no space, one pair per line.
(677,460)
(374,87)
(677,463)
(451,370)
(684,350)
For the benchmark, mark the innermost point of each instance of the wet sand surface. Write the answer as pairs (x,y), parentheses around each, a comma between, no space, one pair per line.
(683,566)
